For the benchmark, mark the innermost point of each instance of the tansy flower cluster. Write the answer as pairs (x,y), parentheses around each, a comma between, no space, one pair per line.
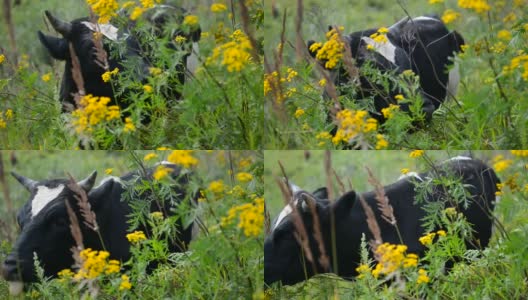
(93,264)
(183,158)
(244,177)
(450,16)
(388,112)
(108,74)
(4,117)
(427,239)
(161,172)
(500,163)
(331,52)
(516,62)
(136,237)
(105,9)
(416,153)
(217,187)
(251,217)
(218,7)
(480,6)
(46,77)
(353,123)
(92,111)
(273,83)
(140,8)
(235,54)
(379,37)
(521,153)
(391,258)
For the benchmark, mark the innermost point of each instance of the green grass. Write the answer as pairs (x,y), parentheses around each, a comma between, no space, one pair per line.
(222,262)
(489,114)
(496,273)
(220,109)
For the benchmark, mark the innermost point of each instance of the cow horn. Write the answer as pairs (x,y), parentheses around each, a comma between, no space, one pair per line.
(88,183)
(29,184)
(62,27)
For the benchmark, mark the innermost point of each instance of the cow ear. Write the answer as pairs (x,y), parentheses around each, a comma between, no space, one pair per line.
(321,193)
(457,41)
(57,47)
(344,204)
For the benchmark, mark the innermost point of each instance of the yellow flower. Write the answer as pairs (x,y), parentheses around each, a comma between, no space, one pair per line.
(157,215)
(155,71)
(427,239)
(92,111)
(450,211)
(136,236)
(190,20)
(147,88)
(370,47)
(399,97)
(66,273)
(217,187)
(125,283)
(94,263)
(522,153)
(2,58)
(150,156)
(480,6)
(244,177)
(422,277)
(161,172)
(129,126)
(234,54)
(218,7)
(381,143)
(180,39)
(108,74)
(362,269)
(105,9)
(450,16)
(46,77)
(250,215)
(388,112)
(435,1)
(504,35)
(390,257)
(183,158)
(9,114)
(163,148)
(441,233)
(500,163)
(299,112)
(128,4)
(405,171)
(136,13)
(322,82)
(416,153)
(109,171)
(411,260)
(509,18)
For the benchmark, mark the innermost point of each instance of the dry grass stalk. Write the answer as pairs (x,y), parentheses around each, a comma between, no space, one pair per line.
(101,57)
(267,220)
(8,202)
(88,215)
(387,212)
(77,78)
(300,45)
(328,172)
(324,261)
(372,224)
(247,29)
(339,182)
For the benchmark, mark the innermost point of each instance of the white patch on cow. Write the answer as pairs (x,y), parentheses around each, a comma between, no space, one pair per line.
(424,18)
(15,287)
(286,211)
(411,174)
(192,60)
(114,178)
(460,157)
(387,50)
(454,80)
(108,30)
(44,196)
(195,230)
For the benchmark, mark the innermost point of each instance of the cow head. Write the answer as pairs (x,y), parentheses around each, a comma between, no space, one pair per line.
(284,258)
(45,231)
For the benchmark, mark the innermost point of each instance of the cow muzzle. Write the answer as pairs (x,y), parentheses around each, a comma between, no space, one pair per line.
(10,272)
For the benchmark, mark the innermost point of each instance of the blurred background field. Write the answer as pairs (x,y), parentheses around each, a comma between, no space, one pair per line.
(229,259)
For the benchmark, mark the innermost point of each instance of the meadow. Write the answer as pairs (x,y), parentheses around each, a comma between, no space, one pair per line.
(225,261)
(221,107)
(497,272)
(489,112)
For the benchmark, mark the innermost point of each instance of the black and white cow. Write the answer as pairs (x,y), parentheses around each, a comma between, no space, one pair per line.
(44,221)
(123,49)
(283,258)
(423,45)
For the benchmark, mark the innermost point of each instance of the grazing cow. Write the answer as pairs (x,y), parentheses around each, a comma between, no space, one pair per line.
(44,221)
(123,48)
(423,45)
(283,257)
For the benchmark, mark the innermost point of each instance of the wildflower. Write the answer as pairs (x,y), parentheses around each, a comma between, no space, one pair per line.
(105,9)
(244,177)
(190,20)
(331,51)
(450,211)
(94,263)
(218,7)
(362,269)
(92,111)
(504,35)
(380,37)
(435,1)
(150,156)
(388,112)
(235,53)
(299,112)
(500,163)
(450,16)
(112,267)
(65,274)
(370,47)
(399,97)
(411,260)
(161,172)
(390,257)
(129,126)
(183,158)
(499,186)
(416,153)
(9,114)
(441,233)
(163,148)
(46,77)
(522,153)
(180,39)
(136,236)
(136,13)
(480,6)
(405,171)
(381,142)
(125,283)
(157,215)
(147,88)
(351,124)
(155,71)
(250,215)
(108,74)
(128,4)
(244,163)
(147,3)
(427,239)
(217,187)
(509,18)
(422,277)
(109,171)
(322,82)
(2,58)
